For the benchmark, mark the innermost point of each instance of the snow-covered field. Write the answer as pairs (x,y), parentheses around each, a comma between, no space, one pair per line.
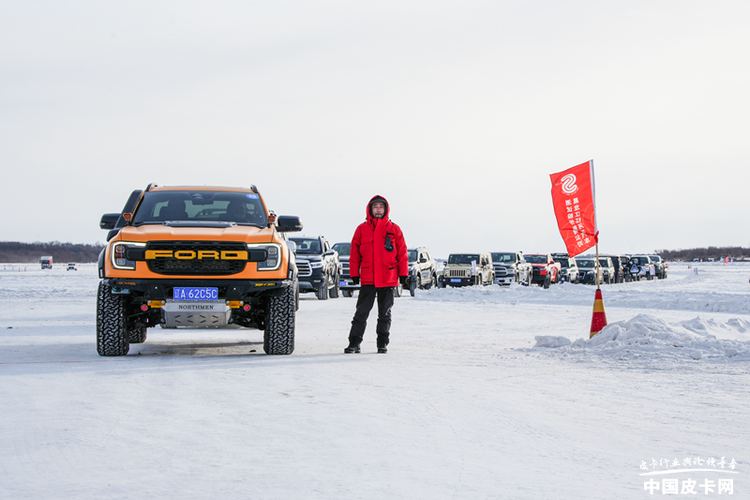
(473,399)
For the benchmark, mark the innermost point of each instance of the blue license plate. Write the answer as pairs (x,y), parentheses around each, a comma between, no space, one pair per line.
(195,293)
(342,283)
(455,280)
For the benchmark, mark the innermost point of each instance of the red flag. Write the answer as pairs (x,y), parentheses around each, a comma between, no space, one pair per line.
(575,207)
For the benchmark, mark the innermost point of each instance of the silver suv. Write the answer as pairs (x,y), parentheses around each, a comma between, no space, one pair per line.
(422,269)
(511,267)
(608,269)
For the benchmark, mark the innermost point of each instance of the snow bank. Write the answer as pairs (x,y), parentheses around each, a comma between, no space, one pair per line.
(645,337)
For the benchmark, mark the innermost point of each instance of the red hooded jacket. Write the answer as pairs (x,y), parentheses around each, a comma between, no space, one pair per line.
(369,258)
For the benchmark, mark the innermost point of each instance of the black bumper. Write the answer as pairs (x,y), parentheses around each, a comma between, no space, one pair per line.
(312,282)
(162,289)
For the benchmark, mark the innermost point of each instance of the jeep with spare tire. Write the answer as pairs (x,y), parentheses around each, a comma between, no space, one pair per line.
(196,257)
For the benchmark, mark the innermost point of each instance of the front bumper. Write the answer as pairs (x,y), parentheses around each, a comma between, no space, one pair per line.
(229,290)
(346,283)
(539,275)
(313,281)
(456,282)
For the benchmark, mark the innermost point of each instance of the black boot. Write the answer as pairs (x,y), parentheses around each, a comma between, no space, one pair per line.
(353,347)
(382,350)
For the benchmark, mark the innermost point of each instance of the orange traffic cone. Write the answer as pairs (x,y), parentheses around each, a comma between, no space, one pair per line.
(599,319)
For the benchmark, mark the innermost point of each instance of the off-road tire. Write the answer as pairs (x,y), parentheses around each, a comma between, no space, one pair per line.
(413,285)
(322,292)
(346,293)
(111,328)
(278,336)
(333,293)
(546,281)
(137,335)
(433,283)
(397,290)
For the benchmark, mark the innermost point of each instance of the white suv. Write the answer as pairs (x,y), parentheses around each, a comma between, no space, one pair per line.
(464,269)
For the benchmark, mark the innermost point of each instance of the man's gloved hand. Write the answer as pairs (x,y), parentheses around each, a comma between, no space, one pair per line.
(355,280)
(403,279)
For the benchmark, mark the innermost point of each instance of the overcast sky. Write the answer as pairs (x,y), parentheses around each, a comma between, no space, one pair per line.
(456,112)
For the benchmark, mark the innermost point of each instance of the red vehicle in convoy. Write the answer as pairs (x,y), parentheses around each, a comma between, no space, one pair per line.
(546,270)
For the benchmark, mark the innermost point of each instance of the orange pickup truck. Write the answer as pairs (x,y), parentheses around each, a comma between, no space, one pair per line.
(196,257)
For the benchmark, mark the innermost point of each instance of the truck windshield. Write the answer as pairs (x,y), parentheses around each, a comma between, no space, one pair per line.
(307,245)
(536,259)
(463,258)
(585,263)
(412,254)
(241,208)
(343,248)
(503,257)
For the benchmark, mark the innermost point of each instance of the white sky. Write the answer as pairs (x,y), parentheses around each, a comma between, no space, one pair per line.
(457,112)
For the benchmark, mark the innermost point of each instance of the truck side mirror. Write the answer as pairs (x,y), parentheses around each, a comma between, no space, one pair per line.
(288,224)
(108,221)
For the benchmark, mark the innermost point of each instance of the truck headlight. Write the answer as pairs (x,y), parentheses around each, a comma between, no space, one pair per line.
(316,264)
(118,254)
(273,261)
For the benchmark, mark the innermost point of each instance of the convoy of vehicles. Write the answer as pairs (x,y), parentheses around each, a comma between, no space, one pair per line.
(196,257)
(209,257)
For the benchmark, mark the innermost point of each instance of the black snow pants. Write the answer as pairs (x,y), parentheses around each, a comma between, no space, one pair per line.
(365,301)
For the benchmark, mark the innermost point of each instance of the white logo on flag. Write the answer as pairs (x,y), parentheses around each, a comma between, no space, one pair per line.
(569,184)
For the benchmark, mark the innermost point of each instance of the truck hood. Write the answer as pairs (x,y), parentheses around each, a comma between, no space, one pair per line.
(152,232)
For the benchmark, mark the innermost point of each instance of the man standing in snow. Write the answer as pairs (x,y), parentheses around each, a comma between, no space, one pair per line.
(378,258)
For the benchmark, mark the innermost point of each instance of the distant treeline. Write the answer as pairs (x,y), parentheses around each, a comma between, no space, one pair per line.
(13,251)
(716,253)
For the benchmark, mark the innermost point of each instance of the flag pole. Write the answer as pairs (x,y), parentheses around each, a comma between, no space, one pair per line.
(599,318)
(597,265)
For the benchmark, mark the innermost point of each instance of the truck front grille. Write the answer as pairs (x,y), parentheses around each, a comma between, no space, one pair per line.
(500,271)
(197,267)
(457,273)
(303,268)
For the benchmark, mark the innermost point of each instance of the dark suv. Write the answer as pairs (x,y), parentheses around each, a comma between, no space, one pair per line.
(346,285)
(318,266)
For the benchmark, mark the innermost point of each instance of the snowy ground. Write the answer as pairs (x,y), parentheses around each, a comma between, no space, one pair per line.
(472,400)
